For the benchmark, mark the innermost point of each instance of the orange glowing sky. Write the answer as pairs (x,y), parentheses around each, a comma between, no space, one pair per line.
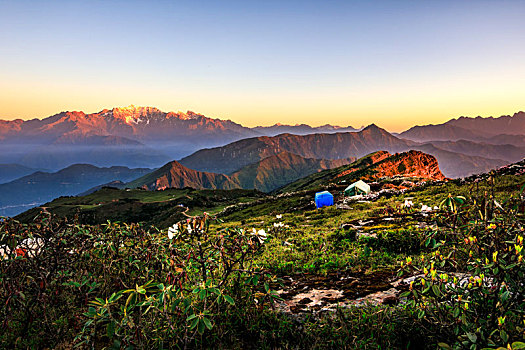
(395,65)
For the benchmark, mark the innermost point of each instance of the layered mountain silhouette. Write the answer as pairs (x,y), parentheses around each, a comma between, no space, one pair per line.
(127,136)
(301,129)
(40,187)
(130,136)
(489,130)
(234,156)
(147,137)
(10,172)
(507,152)
(139,123)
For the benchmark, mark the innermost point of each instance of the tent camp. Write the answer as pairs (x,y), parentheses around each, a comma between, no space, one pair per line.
(357,188)
(323,199)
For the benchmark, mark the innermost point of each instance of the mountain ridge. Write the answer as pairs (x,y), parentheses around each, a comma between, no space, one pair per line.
(266,175)
(230,158)
(148,137)
(234,156)
(414,164)
(468,128)
(150,130)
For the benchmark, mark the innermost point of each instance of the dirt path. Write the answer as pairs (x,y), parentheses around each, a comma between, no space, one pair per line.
(186,215)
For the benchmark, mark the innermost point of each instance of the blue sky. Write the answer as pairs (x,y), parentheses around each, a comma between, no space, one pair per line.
(395,63)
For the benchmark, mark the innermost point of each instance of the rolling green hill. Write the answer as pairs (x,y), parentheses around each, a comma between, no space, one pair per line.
(159,208)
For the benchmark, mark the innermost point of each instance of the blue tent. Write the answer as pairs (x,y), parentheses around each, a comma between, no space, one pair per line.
(323,199)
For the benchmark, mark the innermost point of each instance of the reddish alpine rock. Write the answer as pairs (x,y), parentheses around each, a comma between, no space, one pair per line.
(409,164)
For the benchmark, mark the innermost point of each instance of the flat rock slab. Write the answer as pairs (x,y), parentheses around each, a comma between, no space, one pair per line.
(314,293)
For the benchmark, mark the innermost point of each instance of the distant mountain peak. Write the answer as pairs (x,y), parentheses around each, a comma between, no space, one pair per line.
(376,130)
(372,127)
(133,114)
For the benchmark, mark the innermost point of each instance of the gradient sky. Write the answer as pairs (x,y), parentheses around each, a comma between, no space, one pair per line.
(394,63)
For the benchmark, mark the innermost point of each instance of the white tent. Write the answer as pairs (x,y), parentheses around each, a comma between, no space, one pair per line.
(358,187)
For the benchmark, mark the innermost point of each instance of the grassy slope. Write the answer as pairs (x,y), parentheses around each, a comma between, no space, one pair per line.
(318,242)
(159,208)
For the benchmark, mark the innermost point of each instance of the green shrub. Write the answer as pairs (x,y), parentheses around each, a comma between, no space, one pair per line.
(401,241)
(472,286)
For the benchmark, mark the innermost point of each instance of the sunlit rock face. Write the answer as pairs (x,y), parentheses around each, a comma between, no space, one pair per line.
(410,164)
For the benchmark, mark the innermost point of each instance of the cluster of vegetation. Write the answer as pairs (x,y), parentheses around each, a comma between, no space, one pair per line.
(471,281)
(207,282)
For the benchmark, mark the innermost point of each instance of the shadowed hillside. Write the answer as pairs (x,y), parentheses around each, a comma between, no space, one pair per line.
(175,175)
(268,174)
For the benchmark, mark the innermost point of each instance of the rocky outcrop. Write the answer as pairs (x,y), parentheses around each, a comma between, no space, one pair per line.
(408,164)
(413,164)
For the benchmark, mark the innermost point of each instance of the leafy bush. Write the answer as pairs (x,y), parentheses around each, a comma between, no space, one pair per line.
(127,286)
(471,286)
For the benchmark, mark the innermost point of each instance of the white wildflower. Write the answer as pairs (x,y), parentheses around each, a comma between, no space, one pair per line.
(279,216)
(426,208)
(4,252)
(260,235)
(278,224)
(189,228)
(172,231)
(33,246)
